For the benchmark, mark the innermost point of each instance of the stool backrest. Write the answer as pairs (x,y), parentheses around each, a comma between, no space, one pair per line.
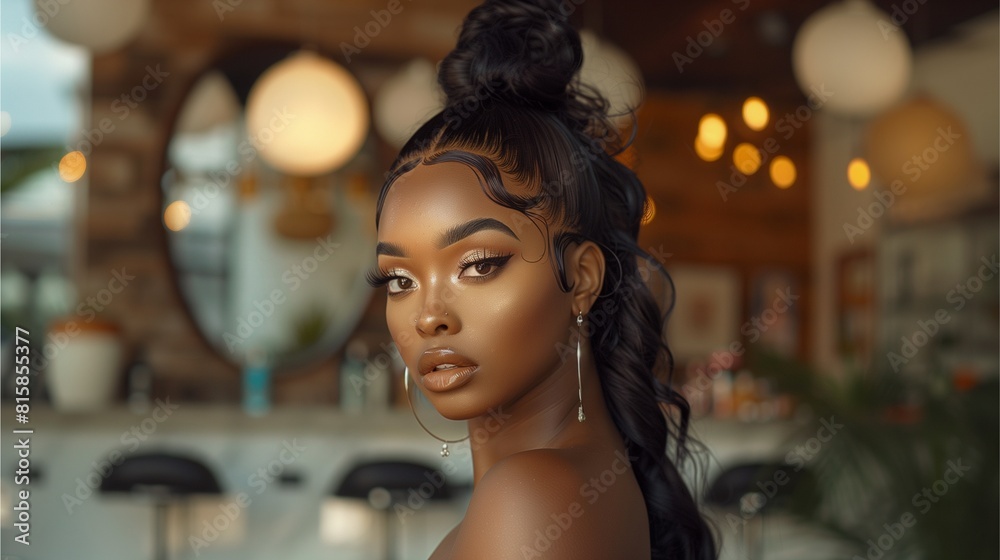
(161,473)
(397,477)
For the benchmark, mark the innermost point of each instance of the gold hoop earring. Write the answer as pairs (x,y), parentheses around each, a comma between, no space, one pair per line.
(444,446)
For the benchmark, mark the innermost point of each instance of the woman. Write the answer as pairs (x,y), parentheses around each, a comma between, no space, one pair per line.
(507,243)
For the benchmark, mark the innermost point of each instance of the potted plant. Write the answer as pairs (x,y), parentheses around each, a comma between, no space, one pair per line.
(912,472)
(83,360)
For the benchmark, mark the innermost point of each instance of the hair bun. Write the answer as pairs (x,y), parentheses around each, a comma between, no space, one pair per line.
(516,51)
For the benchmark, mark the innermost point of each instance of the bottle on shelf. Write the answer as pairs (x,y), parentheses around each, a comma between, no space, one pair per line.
(722,395)
(257,383)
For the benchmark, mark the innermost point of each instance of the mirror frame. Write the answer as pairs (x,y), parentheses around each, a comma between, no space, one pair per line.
(255,54)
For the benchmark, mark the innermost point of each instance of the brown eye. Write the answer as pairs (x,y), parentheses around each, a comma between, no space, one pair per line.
(399,284)
(484,268)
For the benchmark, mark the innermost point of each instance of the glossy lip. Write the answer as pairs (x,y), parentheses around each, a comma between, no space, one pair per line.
(447,379)
(436,356)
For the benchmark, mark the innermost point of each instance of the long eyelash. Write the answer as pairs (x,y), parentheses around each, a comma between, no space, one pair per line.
(378,277)
(481,257)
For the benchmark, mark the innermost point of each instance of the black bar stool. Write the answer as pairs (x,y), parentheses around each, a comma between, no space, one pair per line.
(749,490)
(166,478)
(387,483)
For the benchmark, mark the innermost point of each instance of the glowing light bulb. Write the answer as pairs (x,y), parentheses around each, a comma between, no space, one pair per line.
(712,131)
(649,212)
(72,166)
(747,159)
(309,113)
(177,215)
(755,113)
(858,173)
(705,152)
(782,172)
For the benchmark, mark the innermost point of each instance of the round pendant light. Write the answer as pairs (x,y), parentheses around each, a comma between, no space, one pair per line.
(923,144)
(406,101)
(307,115)
(851,54)
(99,25)
(613,73)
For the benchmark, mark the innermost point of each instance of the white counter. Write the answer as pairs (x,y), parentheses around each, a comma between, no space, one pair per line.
(282,520)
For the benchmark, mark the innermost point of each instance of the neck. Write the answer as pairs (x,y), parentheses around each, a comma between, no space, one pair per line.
(544,418)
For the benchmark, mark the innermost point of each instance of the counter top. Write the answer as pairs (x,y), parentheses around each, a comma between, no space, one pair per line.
(180,417)
(71,518)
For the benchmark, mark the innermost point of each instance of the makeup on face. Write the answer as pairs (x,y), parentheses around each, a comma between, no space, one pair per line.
(442,369)
(471,315)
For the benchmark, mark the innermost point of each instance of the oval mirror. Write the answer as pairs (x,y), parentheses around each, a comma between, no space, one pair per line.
(271,267)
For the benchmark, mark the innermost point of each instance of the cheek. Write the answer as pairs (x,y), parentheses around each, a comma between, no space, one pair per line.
(526,321)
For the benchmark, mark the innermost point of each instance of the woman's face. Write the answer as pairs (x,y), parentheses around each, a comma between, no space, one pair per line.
(469,275)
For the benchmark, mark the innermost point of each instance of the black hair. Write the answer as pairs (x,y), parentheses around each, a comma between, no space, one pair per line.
(515,104)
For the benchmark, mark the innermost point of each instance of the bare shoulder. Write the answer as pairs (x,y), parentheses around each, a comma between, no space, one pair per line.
(535,504)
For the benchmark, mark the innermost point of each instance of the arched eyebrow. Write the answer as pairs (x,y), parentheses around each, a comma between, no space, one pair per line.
(453,235)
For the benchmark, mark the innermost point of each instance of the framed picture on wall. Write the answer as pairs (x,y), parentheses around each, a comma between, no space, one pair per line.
(856,306)
(706,312)
(775,312)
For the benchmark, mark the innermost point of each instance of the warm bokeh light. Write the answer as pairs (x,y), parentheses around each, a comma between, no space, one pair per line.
(746,157)
(858,173)
(177,215)
(845,48)
(307,115)
(905,143)
(706,153)
(712,131)
(649,212)
(72,166)
(755,113)
(782,172)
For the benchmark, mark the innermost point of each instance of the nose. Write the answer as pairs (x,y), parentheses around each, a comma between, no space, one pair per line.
(435,318)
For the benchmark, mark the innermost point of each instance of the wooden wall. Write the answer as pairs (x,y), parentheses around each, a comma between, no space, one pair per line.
(757,227)
(704,217)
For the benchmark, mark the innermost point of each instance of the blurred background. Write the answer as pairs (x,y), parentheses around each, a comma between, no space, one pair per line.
(188,193)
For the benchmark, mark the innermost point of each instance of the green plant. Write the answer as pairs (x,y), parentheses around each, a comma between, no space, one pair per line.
(19,165)
(913,473)
(309,328)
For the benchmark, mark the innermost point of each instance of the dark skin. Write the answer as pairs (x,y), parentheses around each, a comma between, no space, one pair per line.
(545,485)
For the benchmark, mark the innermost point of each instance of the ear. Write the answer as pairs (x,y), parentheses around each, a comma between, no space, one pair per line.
(585,268)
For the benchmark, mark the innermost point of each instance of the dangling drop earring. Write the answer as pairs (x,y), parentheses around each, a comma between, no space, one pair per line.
(579,383)
(444,446)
